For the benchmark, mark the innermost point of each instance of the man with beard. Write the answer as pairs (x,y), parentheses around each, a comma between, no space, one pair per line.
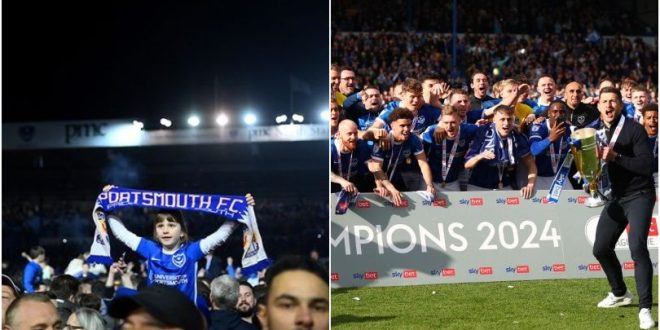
(549,143)
(348,157)
(424,115)
(364,107)
(224,300)
(650,122)
(479,85)
(629,167)
(547,89)
(395,169)
(579,114)
(495,151)
(347,84)
(246,301)
(446,157)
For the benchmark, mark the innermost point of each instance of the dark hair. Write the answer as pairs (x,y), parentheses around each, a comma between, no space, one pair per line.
(612,90)
(400,113)
(36,251)
(432,75)
(651,107)
(64,286)
(296,262)
(88,300)
(174,216)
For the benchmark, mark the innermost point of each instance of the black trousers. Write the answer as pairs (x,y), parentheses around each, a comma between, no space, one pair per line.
(636,210)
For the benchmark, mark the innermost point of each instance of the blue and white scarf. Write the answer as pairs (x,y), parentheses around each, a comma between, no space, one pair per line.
(504,156)
(233,208)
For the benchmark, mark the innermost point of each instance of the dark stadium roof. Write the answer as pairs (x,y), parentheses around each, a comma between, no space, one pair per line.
(123,59)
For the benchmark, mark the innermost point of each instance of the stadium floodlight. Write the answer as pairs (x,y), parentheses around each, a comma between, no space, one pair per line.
(166,122)
(297,118)
(222,119)
(138,124)
(324,115)
(193,121)
(281,119)
(250,118)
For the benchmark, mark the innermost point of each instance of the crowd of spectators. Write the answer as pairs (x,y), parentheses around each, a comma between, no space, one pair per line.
(383,58)
(66,228)
(501,16)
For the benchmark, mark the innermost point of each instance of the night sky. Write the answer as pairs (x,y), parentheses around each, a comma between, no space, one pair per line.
(125,59)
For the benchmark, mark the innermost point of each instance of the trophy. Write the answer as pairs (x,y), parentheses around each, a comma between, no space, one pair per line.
(584,147)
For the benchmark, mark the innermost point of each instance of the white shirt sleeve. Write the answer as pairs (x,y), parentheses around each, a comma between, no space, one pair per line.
(119,230)
(214,240)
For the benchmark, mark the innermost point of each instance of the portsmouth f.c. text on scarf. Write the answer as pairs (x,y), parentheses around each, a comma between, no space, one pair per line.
(234,208)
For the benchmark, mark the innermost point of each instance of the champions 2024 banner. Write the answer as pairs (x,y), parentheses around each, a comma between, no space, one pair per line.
(470,237)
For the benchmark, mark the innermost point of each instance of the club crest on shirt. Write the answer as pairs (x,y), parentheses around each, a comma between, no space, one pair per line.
(535,128)
(421,119)
(179,259)
(461,143)
(581,119)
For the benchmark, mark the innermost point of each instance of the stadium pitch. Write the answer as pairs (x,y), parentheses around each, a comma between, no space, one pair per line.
(542,304)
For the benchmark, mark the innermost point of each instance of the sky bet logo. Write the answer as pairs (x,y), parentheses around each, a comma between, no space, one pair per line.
(628,265)
(481,271)
(579,200)
(559,268)
(334,277)
(366,276)
(520,269)
(589,267)
(474,201)
(540,200)
(508,201)
(445,272)
(408,273)
(436,203)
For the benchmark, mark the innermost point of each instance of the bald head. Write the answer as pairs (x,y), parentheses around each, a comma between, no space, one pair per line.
(348,135)
(347,125)
(573,94)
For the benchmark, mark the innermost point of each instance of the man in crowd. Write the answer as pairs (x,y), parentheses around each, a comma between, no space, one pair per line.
(496,149)
(650,122)
(334,79)
(158,306)
(33,273)
(629,166)
(32,311)
(579,114)
(479,85)
(549,143)
(224,299)
(424,115)
(395,169)
(348,157)
(363,107)
(297,297)
(640,98)
(246,301)
(347,84)
(547,90)
(446,157)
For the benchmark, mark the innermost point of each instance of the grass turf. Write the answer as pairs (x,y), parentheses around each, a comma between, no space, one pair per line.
(547,304)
